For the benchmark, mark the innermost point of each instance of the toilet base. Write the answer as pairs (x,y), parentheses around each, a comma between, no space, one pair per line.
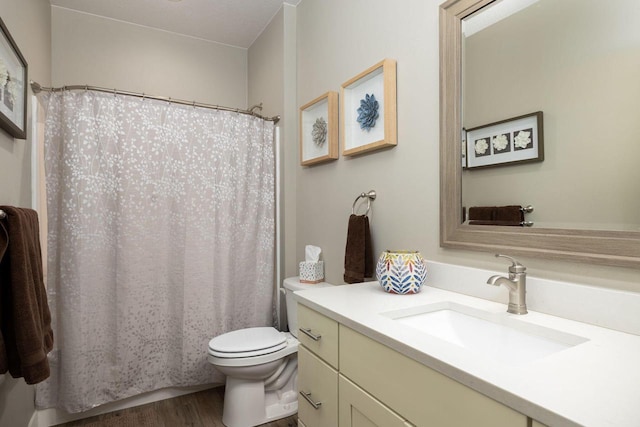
(246,403)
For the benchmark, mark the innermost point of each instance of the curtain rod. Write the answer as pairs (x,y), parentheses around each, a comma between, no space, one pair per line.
(37,88)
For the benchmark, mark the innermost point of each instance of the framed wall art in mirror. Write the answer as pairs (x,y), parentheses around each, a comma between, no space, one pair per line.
(319,130)
(368,120)
(600,245)
(13,86)
(515,140)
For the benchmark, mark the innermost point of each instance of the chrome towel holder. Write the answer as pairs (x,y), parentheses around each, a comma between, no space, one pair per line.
(371,195)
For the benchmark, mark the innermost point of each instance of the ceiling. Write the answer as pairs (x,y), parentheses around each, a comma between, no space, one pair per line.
(232,22)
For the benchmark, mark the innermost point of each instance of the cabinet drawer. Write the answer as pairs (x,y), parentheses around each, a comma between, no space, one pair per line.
(319,334)
(423,396)
(319,382)
(357,408)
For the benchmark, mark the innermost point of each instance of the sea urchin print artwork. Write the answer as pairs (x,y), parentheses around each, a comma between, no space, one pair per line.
(368,112)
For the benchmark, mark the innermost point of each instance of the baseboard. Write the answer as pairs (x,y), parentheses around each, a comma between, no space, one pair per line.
(52,416)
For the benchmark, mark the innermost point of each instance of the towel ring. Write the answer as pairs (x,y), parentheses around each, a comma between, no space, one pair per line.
(371,195)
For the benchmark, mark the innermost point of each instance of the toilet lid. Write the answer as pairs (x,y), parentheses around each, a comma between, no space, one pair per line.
(248,342)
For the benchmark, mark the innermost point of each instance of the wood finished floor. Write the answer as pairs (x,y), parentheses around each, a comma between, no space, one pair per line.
(202,409)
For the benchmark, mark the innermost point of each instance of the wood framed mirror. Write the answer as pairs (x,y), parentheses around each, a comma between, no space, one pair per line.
(601,246)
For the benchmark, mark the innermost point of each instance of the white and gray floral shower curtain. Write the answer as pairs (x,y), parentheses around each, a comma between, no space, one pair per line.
(161,236)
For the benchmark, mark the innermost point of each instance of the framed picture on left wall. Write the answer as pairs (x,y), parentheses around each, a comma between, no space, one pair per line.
(13,86)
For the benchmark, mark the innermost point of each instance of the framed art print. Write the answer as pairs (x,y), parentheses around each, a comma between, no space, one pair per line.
(13,86)
(368,120)
(516,140)
(319,130)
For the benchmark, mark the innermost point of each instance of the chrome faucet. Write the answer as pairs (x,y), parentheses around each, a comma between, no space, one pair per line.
(516,283)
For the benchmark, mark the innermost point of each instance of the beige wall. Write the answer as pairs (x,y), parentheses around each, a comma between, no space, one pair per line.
(582,72)
(336,41)
(29,22)
(272,69)
(88,49)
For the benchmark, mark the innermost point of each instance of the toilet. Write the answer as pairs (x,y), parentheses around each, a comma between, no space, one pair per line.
(261,365)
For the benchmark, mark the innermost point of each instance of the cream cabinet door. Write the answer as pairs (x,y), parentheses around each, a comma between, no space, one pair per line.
(423,396)
(318,391)
(357,408)
(535,423)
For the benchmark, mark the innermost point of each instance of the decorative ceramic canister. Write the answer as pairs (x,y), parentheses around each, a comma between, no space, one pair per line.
(401,272)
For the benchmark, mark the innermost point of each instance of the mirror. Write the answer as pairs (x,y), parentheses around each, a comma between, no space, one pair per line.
(579,225)
(578,61)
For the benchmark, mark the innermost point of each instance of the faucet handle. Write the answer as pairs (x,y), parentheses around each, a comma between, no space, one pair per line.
(515,267)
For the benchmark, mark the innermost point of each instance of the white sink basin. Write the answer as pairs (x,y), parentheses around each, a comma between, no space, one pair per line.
(499,336)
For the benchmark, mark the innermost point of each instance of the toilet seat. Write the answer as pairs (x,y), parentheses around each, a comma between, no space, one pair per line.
(248,342)
(254,357)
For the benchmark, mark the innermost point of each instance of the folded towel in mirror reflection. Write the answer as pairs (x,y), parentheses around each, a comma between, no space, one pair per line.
(511,215)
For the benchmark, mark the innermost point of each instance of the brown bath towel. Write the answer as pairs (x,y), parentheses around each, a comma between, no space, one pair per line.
(501,223)
(358,255)
(511,215)
(481,213)
(25,321)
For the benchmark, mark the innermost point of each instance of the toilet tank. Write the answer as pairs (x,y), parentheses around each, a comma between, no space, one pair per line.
(292,284)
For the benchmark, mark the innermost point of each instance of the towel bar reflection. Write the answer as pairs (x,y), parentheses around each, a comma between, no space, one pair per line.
(371,195)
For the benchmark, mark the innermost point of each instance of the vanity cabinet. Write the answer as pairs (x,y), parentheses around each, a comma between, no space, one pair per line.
(317,369)
(353,381)
(421,395)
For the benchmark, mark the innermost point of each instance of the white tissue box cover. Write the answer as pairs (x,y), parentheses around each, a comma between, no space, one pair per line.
(311,272)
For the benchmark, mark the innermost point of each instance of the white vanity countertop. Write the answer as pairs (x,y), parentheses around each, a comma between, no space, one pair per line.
(596,383)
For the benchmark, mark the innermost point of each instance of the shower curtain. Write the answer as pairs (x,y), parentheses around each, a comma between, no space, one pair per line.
(161,236)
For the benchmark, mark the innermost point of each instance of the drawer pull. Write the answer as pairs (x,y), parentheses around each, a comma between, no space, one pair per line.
(316,405)
(308,333)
